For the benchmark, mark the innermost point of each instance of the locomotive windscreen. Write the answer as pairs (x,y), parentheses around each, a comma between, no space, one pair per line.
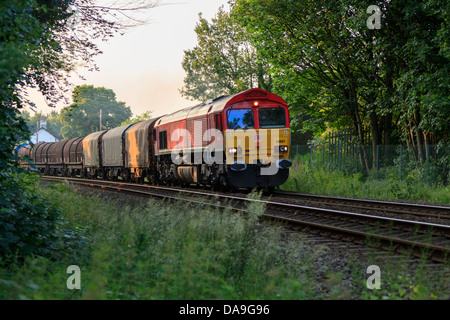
(240,119)
(272,117)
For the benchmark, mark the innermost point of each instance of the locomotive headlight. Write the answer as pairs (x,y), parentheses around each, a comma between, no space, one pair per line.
(237,150)
(284,148)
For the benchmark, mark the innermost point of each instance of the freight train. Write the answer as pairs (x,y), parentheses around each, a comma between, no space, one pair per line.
(238,141)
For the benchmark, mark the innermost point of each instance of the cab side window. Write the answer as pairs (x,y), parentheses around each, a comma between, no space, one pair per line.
(163,140)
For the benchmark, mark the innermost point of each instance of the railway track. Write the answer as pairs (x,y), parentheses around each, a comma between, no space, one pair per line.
(412,211)
(415,238)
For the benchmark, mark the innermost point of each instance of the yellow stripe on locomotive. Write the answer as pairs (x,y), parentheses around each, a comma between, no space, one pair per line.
(253,145)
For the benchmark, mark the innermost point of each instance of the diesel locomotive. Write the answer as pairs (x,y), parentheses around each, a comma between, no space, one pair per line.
(240,141)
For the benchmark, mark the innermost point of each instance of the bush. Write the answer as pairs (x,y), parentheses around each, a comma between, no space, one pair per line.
(28,224)
(318,180)
(160,250)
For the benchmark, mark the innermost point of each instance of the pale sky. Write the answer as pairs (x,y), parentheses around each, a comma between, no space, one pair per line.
(143,67)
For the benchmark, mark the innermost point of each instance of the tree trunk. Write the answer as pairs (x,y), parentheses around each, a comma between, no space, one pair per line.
(388,129)
(362,154)
(427,143)
(420,154)
(411,136)
(375,136)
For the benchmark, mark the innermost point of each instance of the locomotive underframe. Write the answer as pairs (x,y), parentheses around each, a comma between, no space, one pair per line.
(201,174)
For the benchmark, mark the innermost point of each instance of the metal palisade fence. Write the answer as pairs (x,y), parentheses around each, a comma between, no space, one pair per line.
(399,162)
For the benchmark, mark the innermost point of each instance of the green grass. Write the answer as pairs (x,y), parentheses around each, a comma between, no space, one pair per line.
(159,250)
(317,180)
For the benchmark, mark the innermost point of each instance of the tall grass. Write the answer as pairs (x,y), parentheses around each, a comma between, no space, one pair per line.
(318,180)
(159,250)
(162,251)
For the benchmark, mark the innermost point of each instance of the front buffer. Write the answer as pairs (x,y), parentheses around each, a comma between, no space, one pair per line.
(242,175)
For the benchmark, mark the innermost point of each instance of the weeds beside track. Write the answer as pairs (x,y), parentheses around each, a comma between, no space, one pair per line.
(417,238)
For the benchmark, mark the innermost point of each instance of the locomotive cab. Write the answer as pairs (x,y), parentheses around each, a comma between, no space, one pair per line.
(241,140)
(257,143)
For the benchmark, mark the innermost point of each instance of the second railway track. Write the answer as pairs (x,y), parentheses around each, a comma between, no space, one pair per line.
(417,238)
(420,212)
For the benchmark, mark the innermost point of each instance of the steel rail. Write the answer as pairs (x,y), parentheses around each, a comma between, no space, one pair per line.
(301,214)
(374,205)
(443,228)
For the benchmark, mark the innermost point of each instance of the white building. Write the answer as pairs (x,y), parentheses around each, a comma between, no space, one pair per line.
(43,135)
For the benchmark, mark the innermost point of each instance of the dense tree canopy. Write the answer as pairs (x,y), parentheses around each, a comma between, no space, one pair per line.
(82,117)
(53,122)
(390,82)
(26,223)
(224,62)
(41,41)
(147,115)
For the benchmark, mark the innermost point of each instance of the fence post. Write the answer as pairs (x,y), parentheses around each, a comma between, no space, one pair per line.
(376,175)
(400,169)
(339,145)
(323,156)
(428,160)
(329,152)
(310,155)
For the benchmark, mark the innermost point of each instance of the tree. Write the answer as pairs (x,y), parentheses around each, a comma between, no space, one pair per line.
(38,48)
(312,51)
(54,124)
(147,115)
(82,116)
(421,85)
(223,62)
(41,41)
(73,28)
(27,224)
(332,68)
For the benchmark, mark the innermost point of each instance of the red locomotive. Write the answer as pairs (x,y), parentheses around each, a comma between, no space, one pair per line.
(242,141)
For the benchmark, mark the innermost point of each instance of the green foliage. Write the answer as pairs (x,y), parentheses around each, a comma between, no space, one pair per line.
(319,180)
(82,117)
(38,48)
(224,62)
(336,72)
(147,115)
(160,250)
(27,222)
(398,283)
(53,122)
(28,225)
(20,34)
